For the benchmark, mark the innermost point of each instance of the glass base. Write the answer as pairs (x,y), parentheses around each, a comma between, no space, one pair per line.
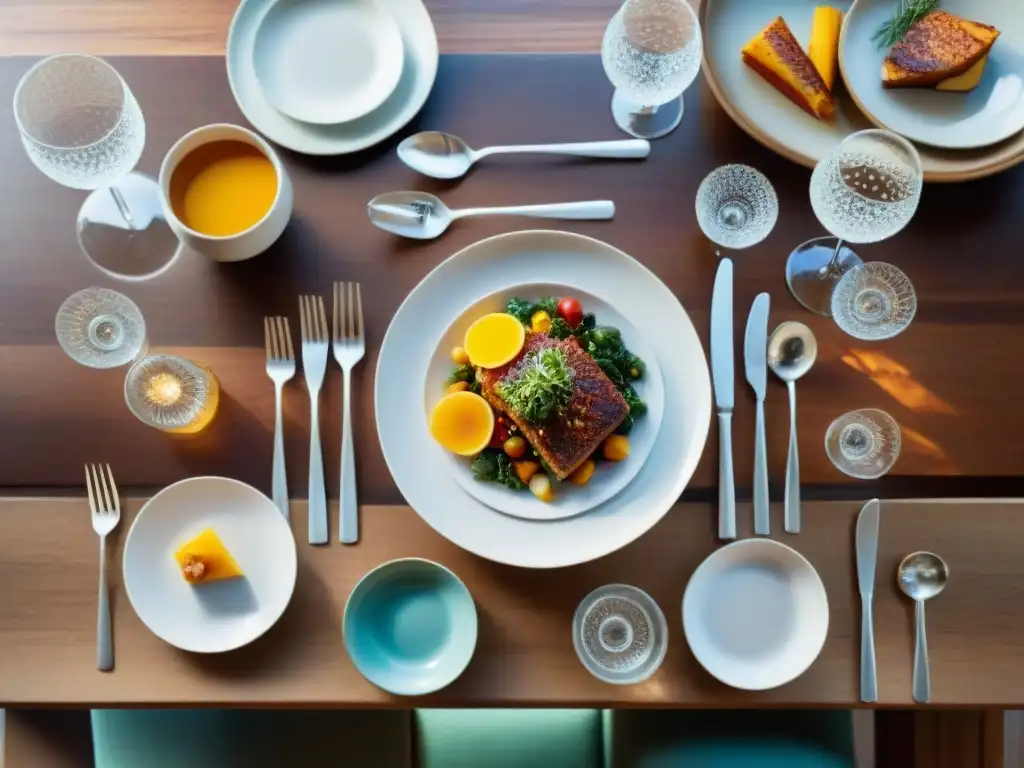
(123,232)
(809,277)
(646,122)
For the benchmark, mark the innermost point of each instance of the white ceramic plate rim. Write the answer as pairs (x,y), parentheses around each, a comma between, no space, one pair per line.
(418,74)
(290,568)
(420,473)
(906,111)
(609,478)
(739,551)
(386,40)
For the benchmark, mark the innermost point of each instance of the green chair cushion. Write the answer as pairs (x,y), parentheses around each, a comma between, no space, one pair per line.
(220,738)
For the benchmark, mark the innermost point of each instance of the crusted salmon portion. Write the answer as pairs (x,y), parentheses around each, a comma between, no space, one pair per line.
(936,48)
(595,410)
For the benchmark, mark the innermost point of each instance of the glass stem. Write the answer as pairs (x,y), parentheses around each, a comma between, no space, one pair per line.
(122,206)
(832,268)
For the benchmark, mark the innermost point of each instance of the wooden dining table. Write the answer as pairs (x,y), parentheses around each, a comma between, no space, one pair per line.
(951,381)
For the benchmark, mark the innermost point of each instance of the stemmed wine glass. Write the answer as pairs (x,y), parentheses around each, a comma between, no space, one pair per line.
(866,190)
(863,444)
(651,53)
(82,127)
(874,301)
(736,206)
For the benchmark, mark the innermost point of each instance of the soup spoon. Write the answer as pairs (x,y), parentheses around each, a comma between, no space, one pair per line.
(423,216)
(444,156)
(922,576)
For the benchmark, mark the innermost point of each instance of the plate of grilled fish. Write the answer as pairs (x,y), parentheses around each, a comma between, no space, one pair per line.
(542,399)
(949,74)
(576,410)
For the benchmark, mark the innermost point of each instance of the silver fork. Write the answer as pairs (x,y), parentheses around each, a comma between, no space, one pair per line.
(349,348)
(314,363)
(106,512)
(280,368)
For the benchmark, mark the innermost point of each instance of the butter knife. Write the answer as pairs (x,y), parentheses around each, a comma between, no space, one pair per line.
(755,353)
(867,556)
(722,368)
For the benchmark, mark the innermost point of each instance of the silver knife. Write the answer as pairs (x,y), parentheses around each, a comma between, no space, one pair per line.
(722,368)
(867,556)
(755,353)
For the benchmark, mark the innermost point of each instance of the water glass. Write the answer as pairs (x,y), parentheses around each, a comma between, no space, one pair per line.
(172,393)
(100,328)
(866,190)
(863,444)
(874,301)
(651,52)
(82,127)
(736,206)
(620,634)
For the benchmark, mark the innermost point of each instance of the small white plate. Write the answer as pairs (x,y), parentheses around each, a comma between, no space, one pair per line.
(328,61)
(610,477)
(990,113)
(224,615)
(755,614)
(418,73)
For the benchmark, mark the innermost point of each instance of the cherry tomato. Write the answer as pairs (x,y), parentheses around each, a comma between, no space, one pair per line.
(571,311)
(500,434)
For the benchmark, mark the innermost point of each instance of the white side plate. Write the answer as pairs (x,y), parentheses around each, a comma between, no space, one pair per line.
(610,477)
(220,616)
(990,113)
(328,61)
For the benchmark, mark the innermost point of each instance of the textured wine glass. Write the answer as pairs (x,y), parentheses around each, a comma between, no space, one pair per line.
(620,634)
(82,127)
(100,328)
(874,301)
(736,206)
(863,444)
(651,52)
(171,393)
(866,190)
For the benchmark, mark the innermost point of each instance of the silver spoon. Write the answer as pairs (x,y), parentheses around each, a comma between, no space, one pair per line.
(423,216)
(792,350)
(922,576)
(444,156)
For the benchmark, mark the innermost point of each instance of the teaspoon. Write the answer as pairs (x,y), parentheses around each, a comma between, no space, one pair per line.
(423,216)
(792,350)
(922,576)
(444,156)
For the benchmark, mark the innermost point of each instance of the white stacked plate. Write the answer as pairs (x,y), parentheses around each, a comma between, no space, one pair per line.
(513,527)
(330,77)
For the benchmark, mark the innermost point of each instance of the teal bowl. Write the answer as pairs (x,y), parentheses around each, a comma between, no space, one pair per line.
(410,626)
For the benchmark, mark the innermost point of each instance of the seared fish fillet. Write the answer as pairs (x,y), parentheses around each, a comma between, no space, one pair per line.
(939,46)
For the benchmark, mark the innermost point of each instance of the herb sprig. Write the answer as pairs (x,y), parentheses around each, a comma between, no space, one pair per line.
(906,15)
(543,385)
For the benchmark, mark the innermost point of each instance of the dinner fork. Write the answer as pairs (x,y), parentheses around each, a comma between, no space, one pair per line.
(106,512)
(349,348)
(313,320)
(280,368)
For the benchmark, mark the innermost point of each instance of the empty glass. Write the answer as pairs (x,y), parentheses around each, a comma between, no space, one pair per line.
(172,393)
(100,328)
(863,444)
(874,301)
(651,53)
(736,206)
(81,126)
(620,634)
(866,190)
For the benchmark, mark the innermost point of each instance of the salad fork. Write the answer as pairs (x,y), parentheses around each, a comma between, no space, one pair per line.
(313,320)
(280,368)
(349,347)
(106,512)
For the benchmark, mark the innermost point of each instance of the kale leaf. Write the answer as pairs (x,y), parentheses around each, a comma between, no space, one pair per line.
(494,466)
(520,309)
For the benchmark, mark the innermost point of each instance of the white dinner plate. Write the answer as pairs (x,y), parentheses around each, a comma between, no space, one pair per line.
(755,614)
(327,61)
(990,113)
(423,474)
(610,477)
(219,616)
(418,72)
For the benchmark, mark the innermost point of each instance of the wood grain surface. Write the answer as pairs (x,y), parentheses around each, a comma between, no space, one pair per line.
(524,654)
(951,380)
